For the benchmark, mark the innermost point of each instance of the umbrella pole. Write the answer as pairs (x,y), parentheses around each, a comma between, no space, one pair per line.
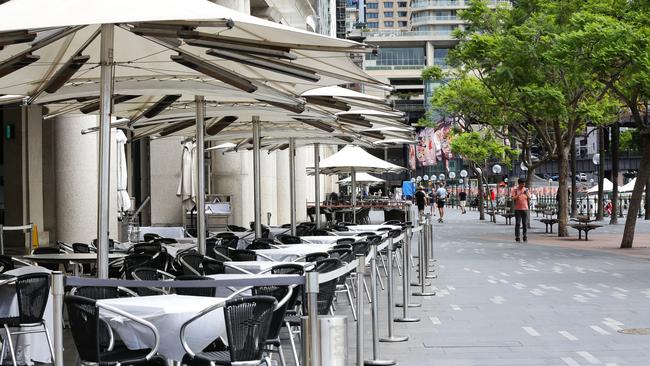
(199,100)
(317,184)
(292,183)
(354,196)
(257,196)
(105,95)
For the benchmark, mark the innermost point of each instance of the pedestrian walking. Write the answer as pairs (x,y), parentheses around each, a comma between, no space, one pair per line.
(462,198)
(520,195)
(420,201)
(441,198)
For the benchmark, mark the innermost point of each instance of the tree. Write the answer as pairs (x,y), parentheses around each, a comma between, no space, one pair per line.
(478,149)
(523,58)
(614,40)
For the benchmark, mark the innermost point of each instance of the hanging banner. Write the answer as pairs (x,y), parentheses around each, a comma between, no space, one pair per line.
(434,144)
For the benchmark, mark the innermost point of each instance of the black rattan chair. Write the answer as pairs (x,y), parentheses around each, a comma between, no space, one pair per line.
(6,264)
(195,291)
(32,292)
(190,264)
(134,261)
(259,245)
(222,253)
(212,267)
(151,236)
(243,255)
(235,228)
(150,274)
(282,294)
(90,335)
(248,320)
(314,257)
(288,239)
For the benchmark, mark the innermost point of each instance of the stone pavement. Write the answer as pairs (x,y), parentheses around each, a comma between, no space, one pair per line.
(547,302)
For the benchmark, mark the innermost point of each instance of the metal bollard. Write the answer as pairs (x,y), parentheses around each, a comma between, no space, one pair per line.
(311,356)
(373,312)
(423,262)
(421,279)
(361,272)
(391,337)
(428,228)
(58,290)
(405,282)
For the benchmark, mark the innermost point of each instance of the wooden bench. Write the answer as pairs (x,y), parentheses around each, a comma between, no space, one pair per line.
(549,222)
(493,215)
(508,216)
(586,228)
(540,207)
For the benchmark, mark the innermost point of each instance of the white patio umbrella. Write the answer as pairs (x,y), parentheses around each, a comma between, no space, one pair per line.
(607,187)
(61,35)
(123,199)
(352,159)
(629,187)
(363,178)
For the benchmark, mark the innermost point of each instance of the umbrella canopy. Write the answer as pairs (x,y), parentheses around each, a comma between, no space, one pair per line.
(363,178)
(607,186)
(123,199)
(629,187)
(353,158)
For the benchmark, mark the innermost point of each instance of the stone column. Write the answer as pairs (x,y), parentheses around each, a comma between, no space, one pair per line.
(165,162)
(76,172)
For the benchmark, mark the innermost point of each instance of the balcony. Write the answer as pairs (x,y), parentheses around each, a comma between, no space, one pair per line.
(417,5)
(435,19)
(402,35)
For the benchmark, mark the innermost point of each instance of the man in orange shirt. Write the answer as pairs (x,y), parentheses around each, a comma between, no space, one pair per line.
(521,196)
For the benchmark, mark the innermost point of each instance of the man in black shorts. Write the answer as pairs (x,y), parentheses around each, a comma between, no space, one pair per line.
(421,201)
(462,198)
(441,196)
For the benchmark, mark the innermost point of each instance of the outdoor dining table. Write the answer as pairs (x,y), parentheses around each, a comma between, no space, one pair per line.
(321,239)
(29,347)
(167,313)
(256,266)
(372,227)
(293,251)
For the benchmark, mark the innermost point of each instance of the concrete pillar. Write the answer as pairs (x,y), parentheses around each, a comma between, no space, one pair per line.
(76,161)
(35,169)
(269,186)
(283,215)
(165,165)
(232,174)
(430,51)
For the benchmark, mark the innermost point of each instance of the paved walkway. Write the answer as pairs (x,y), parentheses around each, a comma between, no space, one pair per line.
(547,302)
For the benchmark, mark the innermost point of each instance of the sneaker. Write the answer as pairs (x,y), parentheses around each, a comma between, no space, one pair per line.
(525,239)
(440,220)
(517,240)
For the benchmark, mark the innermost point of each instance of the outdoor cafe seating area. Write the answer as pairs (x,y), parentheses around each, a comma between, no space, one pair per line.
(165,302)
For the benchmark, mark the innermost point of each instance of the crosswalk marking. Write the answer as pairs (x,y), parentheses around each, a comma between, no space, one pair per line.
(599,330)
(435,320)
(570,361)
(588,357)
(531,331)
(568,335)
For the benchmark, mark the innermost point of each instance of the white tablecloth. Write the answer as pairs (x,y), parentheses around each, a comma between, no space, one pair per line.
(29,347)
(321,239)
(167,313)
(164,231)
(255,266)
(293,251)
(372,227)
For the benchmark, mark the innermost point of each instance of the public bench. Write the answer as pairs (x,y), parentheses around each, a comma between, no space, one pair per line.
(584,227)
(549,222)
(508,216)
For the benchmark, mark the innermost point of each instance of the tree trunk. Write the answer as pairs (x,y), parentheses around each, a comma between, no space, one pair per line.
(481,209)
(647,199)
(562,213)
(601,174)
(613,220)
(529,185)
(635,201)
(574,201)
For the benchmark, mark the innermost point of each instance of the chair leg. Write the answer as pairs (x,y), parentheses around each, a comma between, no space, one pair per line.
(49,341)
(354,312)
(381,282)
(283,362)
(11,346)
(365,287)
(2,352)
(397,261)
(383,265)
(293,344)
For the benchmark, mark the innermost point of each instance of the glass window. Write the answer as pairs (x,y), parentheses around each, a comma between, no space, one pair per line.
(372,15)
(372,5)
(402,14)
(398,56)
(388,14)
(440,56)
(389,23)
(402,4)
(388,4)
(373,24)
(403,23)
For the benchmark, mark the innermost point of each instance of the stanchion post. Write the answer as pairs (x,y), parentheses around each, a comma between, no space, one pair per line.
(374,313)
(424,266)
(421,279)
(406,280)
(428,244)
(312,355)
(361,272)
(432,258)
(58,290)
(391,337)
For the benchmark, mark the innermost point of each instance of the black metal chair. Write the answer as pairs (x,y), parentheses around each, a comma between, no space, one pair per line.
(342,246)
(195,291)
(134,261)
(6,264)
(288,239)
(230,241)
(243,255)
(320,232)
(94,341)
(255,245)
(32,292)
(341,228)
(146,248)
(248,320)
(101,292)
(346,241)
(235,228)
(48,250)
(343,254)
(282,295)
(225,234)
(190,263)
(222,253)
(151,236)
(314,257)
(150,274)
(213,266)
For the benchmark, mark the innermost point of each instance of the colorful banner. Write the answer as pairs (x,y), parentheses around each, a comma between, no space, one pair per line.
(434,144)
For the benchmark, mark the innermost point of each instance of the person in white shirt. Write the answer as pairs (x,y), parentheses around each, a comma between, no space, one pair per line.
(441,198)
